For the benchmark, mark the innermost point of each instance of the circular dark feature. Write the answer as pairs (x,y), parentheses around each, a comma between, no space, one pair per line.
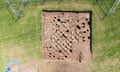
(56,45)
(77,20)
(83,26)
(58,20)
(58,39)
(56,30)
(67,30)
(83,23)
(50,53)
(51,38)
(70,41)
(87,30)
(89,23)
(50,47)
(60,51)
(86,19)
(68,20)
(76,38)
(55,17)
(83,40)
(54,20)
(80,32)
(78,26)
(83,37)
(84,31)
(66,56)
(53,56)
(58,58)
(70,50)
(65,46)
(88,37)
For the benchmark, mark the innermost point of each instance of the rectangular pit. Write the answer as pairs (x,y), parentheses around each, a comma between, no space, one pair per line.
(67,35)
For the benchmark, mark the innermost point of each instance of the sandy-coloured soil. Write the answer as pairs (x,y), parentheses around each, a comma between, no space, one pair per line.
(67,35)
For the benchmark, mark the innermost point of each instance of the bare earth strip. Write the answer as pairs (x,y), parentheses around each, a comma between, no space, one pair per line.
(62,66)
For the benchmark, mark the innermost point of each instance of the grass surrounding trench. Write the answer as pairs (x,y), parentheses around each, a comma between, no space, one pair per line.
(21,39)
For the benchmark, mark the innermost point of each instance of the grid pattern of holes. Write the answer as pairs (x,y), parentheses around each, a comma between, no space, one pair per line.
(66,31)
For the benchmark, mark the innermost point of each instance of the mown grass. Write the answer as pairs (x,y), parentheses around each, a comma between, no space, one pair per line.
(25,34)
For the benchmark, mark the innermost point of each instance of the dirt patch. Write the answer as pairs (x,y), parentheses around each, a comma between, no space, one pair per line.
(67,35)
(63,66)
(24,68)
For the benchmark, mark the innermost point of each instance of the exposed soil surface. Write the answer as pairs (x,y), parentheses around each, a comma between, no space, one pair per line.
(67,36)
(63,66)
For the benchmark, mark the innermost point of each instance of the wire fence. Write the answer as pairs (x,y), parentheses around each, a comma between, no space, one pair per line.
(15,1)
(108,6)
(16,7)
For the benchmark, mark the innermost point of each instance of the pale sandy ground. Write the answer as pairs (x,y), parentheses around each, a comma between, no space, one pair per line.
(55,66)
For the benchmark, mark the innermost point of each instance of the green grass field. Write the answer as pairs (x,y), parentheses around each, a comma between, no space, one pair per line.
(22,39)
